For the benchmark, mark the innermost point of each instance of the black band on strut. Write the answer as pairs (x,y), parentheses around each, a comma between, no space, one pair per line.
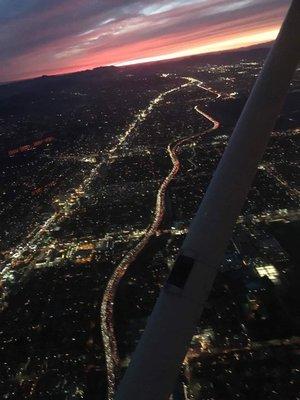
(181,270)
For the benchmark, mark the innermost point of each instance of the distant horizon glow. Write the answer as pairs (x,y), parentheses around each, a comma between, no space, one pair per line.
(64,36)
(230,44)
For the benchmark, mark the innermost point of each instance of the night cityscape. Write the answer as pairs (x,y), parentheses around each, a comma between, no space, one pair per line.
(93,216)
(102,171)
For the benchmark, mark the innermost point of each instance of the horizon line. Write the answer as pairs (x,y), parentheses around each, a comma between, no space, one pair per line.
(146,61)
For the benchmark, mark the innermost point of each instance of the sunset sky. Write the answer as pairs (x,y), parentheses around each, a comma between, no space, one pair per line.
(56,36)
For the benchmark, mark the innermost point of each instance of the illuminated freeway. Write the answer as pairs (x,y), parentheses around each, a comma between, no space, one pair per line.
(40,236)
(37,238)
(107,328)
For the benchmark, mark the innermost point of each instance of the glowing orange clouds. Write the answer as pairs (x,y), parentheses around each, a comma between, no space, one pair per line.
(52,38)
(234,43)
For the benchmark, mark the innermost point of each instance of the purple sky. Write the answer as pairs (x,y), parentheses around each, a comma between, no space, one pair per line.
(54,36)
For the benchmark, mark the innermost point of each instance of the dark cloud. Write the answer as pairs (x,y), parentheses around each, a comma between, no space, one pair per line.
(62,34)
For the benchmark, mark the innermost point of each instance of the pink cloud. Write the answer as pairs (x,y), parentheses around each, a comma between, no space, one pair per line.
(69,35)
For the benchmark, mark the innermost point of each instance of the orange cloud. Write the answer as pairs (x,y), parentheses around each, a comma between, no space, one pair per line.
(70,35)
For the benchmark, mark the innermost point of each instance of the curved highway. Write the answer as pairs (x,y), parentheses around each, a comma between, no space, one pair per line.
(107,328)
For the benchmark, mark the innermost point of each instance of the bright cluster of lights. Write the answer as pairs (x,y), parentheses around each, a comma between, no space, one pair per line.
(270,271)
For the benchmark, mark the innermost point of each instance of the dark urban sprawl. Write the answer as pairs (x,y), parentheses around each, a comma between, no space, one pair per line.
(101,173)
